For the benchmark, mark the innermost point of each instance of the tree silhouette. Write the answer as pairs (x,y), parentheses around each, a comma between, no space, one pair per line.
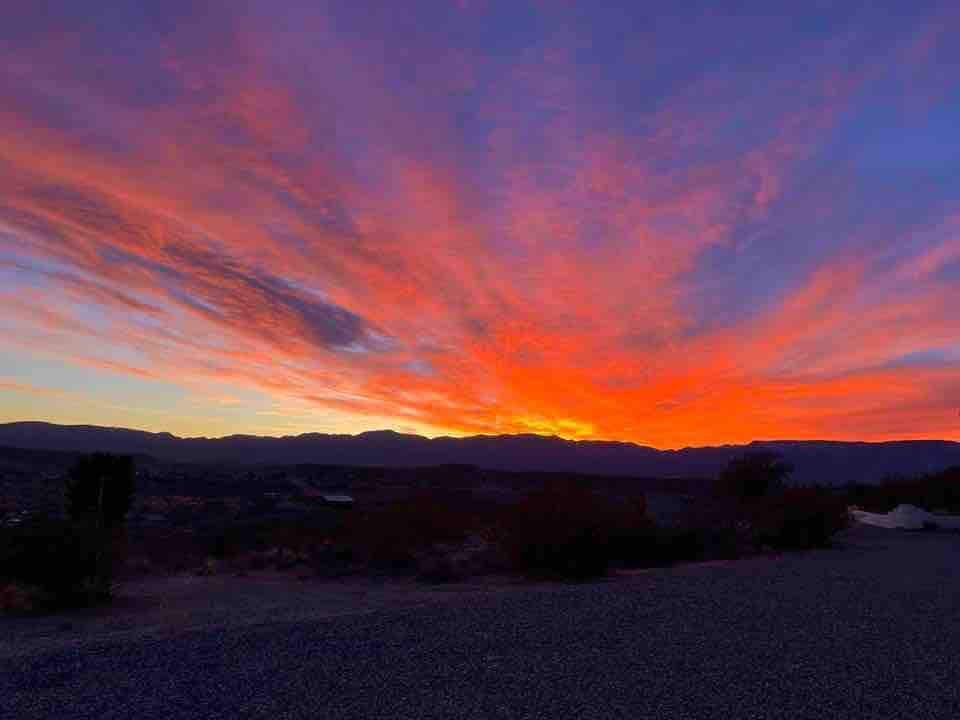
(753,475)
(100,489)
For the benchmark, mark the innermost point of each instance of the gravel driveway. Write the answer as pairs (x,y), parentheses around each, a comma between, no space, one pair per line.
(871,630)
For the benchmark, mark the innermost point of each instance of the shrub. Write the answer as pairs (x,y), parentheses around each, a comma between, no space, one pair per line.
(452,562)
(799,518)
(300,535)
(662,546)
(942,490)
(658,547)
(393,536)
(69,564)
(440,565)
(166,550)
(100,489)
(938,491)
(17,598)
(563,531)
(751,476)
(72,562)
(774,515)
(331,559)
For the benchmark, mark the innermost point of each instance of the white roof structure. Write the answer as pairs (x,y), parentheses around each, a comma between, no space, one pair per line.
(907,517)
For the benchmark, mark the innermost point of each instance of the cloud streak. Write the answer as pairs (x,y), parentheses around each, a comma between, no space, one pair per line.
(490,217)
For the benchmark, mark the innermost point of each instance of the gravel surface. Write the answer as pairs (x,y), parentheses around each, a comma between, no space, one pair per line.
(871,630)
(155,608)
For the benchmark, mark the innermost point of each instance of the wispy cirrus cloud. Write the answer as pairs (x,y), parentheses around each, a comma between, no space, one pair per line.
(489,218)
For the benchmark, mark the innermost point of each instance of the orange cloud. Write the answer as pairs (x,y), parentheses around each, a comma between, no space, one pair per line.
(313,232)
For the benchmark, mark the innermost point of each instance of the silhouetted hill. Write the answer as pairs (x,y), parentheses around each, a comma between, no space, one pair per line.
(815,461)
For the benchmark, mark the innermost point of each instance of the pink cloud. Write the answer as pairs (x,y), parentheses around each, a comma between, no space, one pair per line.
(341,244)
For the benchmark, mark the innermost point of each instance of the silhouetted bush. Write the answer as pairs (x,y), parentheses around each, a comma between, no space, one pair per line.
(392,536)
(751,476)
(799,518)
(72,562)
(70,565)
(300,534)
(452,562)
(17,598)
(241,545)
(778,516)
(653,545)
(564,531)
(332,559)
(100,489)
(165,550)
(936,491)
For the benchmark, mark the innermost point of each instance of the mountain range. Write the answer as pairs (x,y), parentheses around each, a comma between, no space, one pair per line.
(825,462)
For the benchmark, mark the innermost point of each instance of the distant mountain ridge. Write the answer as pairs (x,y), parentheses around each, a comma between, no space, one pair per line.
(827,462)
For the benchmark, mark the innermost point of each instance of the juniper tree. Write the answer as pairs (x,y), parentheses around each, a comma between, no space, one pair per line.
(100,489)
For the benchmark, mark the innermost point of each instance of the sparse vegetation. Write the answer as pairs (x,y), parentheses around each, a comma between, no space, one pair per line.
(661,546)
(19,599)
(68,562)
(752,475)
(100,490)
(565,531)
(59,560)
(438,524)
(799,518)
(395,535)
(936,492)
(775,515)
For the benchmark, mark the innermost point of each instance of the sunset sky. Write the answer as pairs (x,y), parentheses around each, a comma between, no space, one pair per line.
(674,223)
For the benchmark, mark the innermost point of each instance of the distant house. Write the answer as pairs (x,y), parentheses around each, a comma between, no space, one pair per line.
(337,500)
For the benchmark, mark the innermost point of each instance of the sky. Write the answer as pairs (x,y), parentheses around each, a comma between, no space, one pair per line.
(671,223)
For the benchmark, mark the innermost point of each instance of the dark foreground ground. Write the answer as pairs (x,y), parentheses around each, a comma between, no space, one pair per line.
(871,630)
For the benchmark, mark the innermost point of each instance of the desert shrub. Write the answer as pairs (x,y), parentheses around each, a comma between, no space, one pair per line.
(799,518)
(892,490)
(246,544)
(332,559)
(306,534)
(100,489)
(439,564)
(72,562)
(722,543)
(18,599)
(937,491)
(654,545)
(69,564)
(165,550)
(478,554)
(751,476)
(299,535)
(942,490)
(211,566)
(857,493)
(564,531)
(639,547)
(658,546)
(393,535)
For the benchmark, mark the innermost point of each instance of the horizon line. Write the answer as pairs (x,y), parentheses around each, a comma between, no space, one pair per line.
(476,435)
